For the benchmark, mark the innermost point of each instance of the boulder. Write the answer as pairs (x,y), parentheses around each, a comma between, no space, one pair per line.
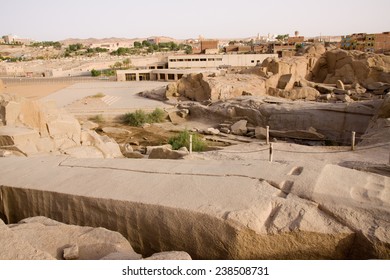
(286,82)
(239,128)
(199,87)
(133,155)
(15,248)
(149,149)
(325,89)
(53,238)
(71,253)
(176,117)
(22,139)
(115,130)
(260,132)
(297,93)
(108,146)
(171,256)
(88,125)
(344,98)
(211,131)
(166,153)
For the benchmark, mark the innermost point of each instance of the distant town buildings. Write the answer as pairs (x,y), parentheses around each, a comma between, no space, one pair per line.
(12,39)
(378,42)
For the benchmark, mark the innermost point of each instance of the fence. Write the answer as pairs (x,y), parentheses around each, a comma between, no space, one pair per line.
(270,147)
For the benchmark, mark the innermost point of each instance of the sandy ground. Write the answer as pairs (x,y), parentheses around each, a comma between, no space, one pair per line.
(35,90)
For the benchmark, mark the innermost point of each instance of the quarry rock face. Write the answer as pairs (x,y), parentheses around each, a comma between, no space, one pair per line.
(234,210)
(33,127)
(333,121)
(300,77)
(378,130)
(350,67)
(199,87)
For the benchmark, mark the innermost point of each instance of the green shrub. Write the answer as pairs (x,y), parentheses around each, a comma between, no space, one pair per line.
(95,73)
(157,116)
(97,119)
(98,95)
(183,140)
(139,117)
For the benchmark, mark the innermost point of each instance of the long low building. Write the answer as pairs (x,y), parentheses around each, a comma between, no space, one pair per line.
(216,61)
(180,65)
(159,74)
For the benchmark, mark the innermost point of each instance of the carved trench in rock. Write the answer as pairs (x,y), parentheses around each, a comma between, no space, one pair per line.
(335,124)
(155,228)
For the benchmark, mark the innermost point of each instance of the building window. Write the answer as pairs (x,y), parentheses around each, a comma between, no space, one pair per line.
(211,59)
(171,77)
(252,61)
(203,59)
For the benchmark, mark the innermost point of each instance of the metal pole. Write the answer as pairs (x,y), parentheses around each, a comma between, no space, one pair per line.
(353,141)
(271,152)
(267,136)
(190,143)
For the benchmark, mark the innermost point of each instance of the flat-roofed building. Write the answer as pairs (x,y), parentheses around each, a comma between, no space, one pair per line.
(216,61)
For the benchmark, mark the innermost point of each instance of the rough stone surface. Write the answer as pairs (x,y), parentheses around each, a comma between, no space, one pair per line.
(61,241)
(198,87)
(34,127)
(170,256)
(166,153)
(260,132)
(115,130)
(71,253)
(133,155)
(108,147)
(239,128)
(287,211)
(89,125)
(335,121)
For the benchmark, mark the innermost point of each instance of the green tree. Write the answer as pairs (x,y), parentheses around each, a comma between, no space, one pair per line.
(146,43)
(95,73)
(126,63)
(137,45)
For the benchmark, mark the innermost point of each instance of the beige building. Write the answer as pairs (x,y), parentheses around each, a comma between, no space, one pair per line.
(179,65)
(159,74)
(216,61)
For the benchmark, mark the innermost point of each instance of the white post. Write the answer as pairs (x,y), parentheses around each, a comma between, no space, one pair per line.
(267,127)
(353,140)
(271,155)
(190,143)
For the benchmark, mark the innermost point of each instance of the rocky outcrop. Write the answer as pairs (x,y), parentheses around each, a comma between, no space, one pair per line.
(351,67)
(33,127)
(306,210)
(49,239)
(378,130)
(199,87)
(333,121)
(293,78)
(166,153)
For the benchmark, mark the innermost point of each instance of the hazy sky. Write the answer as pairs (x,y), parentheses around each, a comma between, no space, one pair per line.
(57,20)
